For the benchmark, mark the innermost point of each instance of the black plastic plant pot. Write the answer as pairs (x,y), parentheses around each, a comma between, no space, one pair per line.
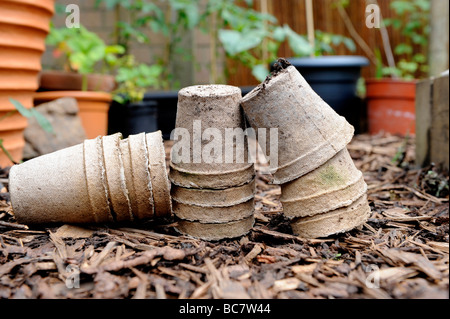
(166,102)
(334,79)
(133,118)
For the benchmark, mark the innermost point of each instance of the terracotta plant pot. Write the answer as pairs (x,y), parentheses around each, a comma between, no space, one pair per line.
(24,26)
(93,108)
(391,106)
(50,80)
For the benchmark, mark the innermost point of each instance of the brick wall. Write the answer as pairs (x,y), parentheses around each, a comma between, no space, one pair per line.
(102,22)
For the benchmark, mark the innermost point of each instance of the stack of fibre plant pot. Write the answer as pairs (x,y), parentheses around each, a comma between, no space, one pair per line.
(102,180)
(212,199)
(322,192)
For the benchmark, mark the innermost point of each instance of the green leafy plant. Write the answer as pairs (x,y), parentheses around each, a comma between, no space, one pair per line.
(134,79)
(412,21)
(254,38)
(84,50)
(28,113)
(167,18)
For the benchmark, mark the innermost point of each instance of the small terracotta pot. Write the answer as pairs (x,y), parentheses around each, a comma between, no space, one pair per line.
(93,108)
(333,222)
(310,132)
(50,80)
(335,184)
(391,106)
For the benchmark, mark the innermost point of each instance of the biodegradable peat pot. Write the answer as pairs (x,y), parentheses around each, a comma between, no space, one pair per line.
(333,222)
(96,180)
(391,106)
(50,80)
(310,132)
(211,197)
(158,174)
(115,178)
(106,179)
(93,108)
(52,188)
(334,79)
(214,206)
(214,214)
(201,108)
(137,175)
(24,26)
(215,232)
(335,184)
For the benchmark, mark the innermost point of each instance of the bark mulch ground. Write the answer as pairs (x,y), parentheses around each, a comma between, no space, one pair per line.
(401,252)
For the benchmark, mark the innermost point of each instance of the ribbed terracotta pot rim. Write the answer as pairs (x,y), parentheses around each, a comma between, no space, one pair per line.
(79,95)
(72,81)
(46,5)
(390,80)
(43,4)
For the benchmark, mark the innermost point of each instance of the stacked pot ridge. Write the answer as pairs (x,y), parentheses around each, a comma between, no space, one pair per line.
(212,198)
(106,179)
(323,193)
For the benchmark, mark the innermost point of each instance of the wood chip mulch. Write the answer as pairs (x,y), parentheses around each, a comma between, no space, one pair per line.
(401,252)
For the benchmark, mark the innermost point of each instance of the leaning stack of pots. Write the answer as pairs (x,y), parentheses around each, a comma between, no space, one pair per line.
(212,198)
(323,193)
(106,179)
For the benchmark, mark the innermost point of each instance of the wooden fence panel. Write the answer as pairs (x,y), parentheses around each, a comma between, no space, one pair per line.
(327,19)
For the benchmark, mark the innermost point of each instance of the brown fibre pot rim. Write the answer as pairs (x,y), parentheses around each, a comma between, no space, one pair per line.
(79,95)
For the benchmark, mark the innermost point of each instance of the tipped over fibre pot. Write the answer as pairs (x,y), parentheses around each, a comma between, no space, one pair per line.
(310,132)
(102,180)
(53,188)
